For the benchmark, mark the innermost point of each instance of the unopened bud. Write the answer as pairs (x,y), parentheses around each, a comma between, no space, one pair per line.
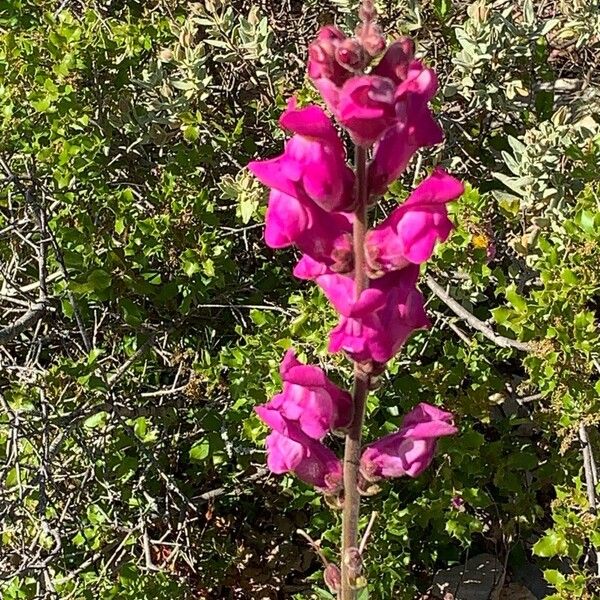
(350,55)
(371,38)
(353,560)
(367,11)
(333,578)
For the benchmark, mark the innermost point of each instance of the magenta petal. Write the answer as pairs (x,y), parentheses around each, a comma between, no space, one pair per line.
(370,300)
(410,450)
(419,231)
(283,454)
(289,362)
(309,268)
(306,375)
(286,220)
(272,174)
(439,187)
(310,405)
(339,290)
(310,121)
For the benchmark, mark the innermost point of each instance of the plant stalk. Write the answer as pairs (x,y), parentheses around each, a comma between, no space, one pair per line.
(352,448)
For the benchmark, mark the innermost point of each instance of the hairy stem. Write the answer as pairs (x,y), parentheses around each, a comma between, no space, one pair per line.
(361,388)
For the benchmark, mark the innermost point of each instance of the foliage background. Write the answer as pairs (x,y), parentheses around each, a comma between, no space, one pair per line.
(151,318)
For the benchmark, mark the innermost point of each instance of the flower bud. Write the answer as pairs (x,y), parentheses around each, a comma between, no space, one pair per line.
(371,38)
(367,11)
(350,55)
(333,578)
(322,62)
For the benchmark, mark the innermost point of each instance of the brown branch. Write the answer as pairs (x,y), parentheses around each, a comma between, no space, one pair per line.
(26,321)
(459,310)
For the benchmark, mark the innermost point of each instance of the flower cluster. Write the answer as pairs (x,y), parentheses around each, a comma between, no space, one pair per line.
(382,101)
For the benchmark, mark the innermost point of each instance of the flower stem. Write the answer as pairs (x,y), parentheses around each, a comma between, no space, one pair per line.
(351,511)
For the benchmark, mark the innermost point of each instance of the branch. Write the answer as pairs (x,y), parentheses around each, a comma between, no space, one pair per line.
(459,310)
(24,322)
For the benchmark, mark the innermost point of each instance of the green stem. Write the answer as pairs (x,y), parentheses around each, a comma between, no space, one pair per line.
(352,449)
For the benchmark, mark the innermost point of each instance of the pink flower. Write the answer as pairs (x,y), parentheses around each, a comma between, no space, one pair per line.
(414,127)
(377,325)
(324,237)
(396,60)
(323,56)
(309,399)
(313,165)
(364,105)
(410,450)
(308,459)
(289,449)
(411,231)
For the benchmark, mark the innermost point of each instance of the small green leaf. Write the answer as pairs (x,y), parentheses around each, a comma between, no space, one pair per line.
(200,451)
(99,280)
(554,577)
(97,420)
(191,133)
(551,544)
(516,299)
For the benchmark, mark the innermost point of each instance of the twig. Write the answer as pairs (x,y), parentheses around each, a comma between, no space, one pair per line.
(32,316)
(367,533)
(114,379)
(314,545)
(472,320)
(587,466)
(246,306)
(590,477)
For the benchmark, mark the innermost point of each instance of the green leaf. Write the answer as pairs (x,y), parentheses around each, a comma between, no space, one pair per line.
(200,451)
(516,299)
(554,577)
(191,133)
(501,314)
(190,262)
(552,544)
(99,280)
(97,420)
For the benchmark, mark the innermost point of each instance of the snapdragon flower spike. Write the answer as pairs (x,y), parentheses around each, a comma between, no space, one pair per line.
(323,236)
(376,326)
(289,449)
(313,165)
(410,450)
(410,232)
(309,398)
